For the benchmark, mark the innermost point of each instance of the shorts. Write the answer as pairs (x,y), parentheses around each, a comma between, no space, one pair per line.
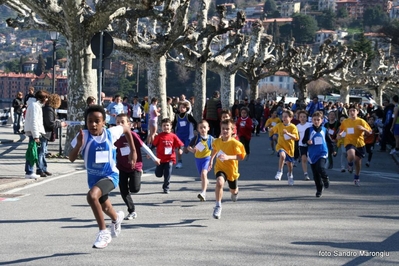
(185,140)
(359,151)
(106,186)
(287,157)
(271,137)
(396,130)
(232,184)
(152,123)
(303,150)
(136,119)
(202,163)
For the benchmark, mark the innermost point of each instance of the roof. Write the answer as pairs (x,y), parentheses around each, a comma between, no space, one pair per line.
(270,20)
(325,31)
(374,34)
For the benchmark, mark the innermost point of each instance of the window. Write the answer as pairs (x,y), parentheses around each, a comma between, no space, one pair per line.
(272,79)
(280,79)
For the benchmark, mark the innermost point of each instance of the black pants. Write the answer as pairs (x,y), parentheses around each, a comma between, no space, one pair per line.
(387,138)
(129,182)
(165,170)
(245,142)
(369,150)
(319,173)
(214,128)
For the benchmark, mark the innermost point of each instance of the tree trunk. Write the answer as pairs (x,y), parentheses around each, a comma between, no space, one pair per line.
(82,83)
(344,91)
(302,92)
(199,91)
(156,78)
(227,82)
(379,92)
(254,88)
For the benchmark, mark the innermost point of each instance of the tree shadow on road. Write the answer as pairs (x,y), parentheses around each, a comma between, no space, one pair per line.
(26,260)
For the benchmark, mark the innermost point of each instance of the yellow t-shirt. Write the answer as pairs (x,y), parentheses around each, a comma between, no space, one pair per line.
(146,107)
(230,147)
(354,135)
(206,150)
(285,142)
(271,122)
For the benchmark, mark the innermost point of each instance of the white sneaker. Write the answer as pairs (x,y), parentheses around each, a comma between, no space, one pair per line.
(234,197)
(393,151)
(201,197)
(131,216)
(290,179)
(307,177)
(116,227)
(278,175)
(32,176)
(103,239)
(217,212)
(179,165)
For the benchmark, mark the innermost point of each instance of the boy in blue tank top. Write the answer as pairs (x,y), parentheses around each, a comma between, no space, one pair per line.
(319,143)
(183,126)
(96,144)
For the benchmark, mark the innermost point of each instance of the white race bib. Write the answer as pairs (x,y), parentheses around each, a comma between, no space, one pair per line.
(200,146)
(220,153)
(343,134)
(102,156)
(242,123)
(125,151)
(273,124)
(350,130)
(318,141)
(168,150)
(286,137)
(331,132)
(182,123)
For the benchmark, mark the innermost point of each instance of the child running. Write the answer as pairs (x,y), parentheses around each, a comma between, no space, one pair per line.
(130,179)
(332,127)
(228,151)
(244,127)
(354,127)
(341,147)
(303,147)
(370,139)
(287,135)
(226,114)
(166,142)
(96,145)
(319,143)
(184,125)
(270,123)
(201,146)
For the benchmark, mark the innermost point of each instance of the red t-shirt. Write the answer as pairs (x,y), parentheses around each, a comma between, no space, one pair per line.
(244,127)
(122,161)
(166,144)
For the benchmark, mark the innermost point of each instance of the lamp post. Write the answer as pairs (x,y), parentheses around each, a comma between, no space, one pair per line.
(54,35)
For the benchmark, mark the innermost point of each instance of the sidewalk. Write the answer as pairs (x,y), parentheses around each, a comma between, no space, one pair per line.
(12,160)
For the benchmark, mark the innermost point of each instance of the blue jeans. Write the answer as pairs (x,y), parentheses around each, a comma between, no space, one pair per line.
(17,122)
(41,165)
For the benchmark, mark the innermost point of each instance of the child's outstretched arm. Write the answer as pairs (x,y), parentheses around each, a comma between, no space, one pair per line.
(133,152)
(73,154)
(214,152)
(150,154)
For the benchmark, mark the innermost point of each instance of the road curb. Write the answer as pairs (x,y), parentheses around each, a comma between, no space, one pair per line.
(15,183)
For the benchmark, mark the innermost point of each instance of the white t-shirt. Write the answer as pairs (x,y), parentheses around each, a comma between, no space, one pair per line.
(301,132)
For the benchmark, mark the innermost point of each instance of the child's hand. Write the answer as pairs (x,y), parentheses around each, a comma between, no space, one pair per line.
(334,153)
(310,142)
(148,157)
(210,167)
(180,151)
(157,161)
(79,138)
(285,131)
(223,157)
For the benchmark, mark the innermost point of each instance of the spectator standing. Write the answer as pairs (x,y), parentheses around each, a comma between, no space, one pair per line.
(51,124)
(28,96)
(258,113)
(34,128)
(189,108)
(115,108)
(395,125)
(17,105)
(314,105)
(137,110)
(387,120)
(212,114)
(169,110)
(63,106)
(127,108)
(153,119)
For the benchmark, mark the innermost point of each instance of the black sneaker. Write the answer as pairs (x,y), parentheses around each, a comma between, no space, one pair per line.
(368,164)
(326,183)
(166,191)
(318,194)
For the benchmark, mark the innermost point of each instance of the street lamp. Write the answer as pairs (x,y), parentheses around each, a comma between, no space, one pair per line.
(54,35)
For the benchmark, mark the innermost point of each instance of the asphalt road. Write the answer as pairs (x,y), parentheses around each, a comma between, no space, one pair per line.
(50,223)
